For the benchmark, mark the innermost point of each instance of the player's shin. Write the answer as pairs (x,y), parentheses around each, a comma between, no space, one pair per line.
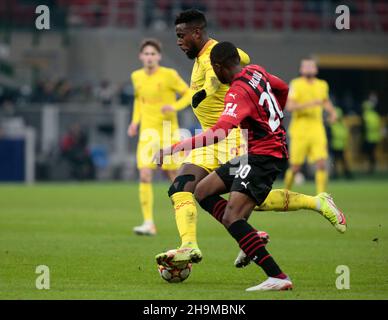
(215,205)
(254,247)
(146,201)
(285,200)
(321,180)
(289,179)
(186,217)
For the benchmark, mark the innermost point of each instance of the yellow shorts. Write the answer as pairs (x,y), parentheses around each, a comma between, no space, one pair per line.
(213,156)
(308,143)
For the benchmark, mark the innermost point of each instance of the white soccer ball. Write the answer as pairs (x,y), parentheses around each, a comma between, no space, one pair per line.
(175,274)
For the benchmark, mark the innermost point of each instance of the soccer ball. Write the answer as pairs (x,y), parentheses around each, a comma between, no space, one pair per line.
(175,274)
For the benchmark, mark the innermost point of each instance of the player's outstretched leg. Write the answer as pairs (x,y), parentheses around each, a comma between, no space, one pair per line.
(285,200)
(181,194)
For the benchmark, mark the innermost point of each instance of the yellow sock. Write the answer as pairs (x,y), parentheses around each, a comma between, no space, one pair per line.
(288,179)
(285,200)
(186,216)
(321,180)
(146,201)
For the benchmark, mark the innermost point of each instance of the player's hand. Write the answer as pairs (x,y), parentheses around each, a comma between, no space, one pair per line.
(132,129)
(159,156)
(167,109)
(198,98)
(333,117)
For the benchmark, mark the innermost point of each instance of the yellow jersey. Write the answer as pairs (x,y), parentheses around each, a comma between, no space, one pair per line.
(303,91)
(153,91)
(203,77)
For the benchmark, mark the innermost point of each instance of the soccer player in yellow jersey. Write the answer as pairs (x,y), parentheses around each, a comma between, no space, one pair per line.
(307,99)
(155,109)
(208,104)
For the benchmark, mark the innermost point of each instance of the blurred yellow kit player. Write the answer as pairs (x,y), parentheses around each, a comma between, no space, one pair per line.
(155,111)
(307,98)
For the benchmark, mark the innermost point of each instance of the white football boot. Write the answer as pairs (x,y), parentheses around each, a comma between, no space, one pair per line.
(273,284)
(242,259)
(146,229)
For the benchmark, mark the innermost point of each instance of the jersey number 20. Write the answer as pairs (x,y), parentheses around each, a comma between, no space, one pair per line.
(273,107)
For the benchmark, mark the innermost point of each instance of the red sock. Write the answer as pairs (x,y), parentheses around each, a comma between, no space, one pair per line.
(281,276)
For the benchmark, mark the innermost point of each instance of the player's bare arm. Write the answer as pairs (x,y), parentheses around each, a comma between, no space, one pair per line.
(133,129)
(328,106)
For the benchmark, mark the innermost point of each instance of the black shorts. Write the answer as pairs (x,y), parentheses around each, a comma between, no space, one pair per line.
(252,175)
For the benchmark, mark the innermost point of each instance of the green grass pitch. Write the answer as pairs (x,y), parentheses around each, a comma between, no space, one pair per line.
(83,233)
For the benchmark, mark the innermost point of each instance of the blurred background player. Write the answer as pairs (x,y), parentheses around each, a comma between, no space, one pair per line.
(339,134)
(208,104)
(371,129)
(155,111)
(307,99)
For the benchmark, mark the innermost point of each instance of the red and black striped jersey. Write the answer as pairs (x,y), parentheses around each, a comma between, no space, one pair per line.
(255,101)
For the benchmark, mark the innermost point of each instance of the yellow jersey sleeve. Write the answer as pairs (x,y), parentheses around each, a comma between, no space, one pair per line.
(212,84)
(136,104)
(244,57)
(179,86)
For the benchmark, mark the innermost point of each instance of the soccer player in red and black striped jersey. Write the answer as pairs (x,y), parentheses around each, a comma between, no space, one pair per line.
(254,102)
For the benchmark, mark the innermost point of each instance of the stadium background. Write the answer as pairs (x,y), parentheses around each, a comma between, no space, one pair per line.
(77,73)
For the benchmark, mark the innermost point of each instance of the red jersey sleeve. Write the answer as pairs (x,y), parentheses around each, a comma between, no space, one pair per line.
(279,88)
(215,134)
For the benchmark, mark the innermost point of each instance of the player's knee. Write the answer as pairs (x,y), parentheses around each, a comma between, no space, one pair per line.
(321,165)
(145,176)
(180,184)
(295,168)
(201,192)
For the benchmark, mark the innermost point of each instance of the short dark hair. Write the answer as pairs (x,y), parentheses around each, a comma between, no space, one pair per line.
(151,42)
(225,53)
(191,16)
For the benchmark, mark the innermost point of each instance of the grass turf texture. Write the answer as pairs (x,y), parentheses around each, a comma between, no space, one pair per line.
(83,233)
